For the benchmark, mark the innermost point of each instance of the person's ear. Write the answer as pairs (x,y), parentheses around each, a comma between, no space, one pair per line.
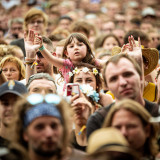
(147,130)
(25,136)
(66,53)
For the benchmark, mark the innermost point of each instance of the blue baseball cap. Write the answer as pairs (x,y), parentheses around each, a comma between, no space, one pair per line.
(13,87)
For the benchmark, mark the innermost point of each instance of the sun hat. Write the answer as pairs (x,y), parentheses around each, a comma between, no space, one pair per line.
(13,87)
(150,54)
(108,139)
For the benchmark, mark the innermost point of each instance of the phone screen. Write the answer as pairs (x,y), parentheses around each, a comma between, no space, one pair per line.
(72,90)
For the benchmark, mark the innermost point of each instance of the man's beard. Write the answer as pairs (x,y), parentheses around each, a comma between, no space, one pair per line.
(47,69)
(48,154)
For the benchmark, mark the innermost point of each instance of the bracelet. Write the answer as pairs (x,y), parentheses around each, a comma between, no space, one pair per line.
(28,62)
(42,48)
(32,64)
(1,71)
(29,59)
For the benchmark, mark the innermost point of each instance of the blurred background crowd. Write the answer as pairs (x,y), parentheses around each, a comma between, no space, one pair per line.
(96,18)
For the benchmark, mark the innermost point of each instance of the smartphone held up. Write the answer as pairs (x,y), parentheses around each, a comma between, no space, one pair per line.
(72,89)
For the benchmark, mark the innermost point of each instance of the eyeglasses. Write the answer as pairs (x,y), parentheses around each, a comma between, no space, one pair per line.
(16,28)
(39,54)
(38,22)
(34,99)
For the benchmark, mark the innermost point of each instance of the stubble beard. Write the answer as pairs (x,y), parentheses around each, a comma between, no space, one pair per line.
(48,154)
(47,69)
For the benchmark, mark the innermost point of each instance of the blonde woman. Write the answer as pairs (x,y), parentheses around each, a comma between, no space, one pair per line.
(13,68)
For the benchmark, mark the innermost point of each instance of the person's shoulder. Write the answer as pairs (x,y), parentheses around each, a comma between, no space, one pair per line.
(103,110)
(20,40)
(3,142)
(152,108)
(149,103)
(77,154)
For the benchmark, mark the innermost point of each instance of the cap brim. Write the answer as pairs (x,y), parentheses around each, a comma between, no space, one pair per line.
(10,91)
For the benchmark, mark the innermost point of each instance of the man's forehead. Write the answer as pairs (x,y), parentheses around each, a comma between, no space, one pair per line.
(122,65)
(123,62)
(42,81)
(45,120)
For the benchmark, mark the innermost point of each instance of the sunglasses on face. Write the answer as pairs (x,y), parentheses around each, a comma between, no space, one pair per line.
(38,98)
(39,54)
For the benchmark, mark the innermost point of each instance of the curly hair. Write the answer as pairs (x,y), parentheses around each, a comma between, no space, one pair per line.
(17,62)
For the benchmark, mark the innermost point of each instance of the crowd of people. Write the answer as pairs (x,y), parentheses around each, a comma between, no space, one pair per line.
(79,79)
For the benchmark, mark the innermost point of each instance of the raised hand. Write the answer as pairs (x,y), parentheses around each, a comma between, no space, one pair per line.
(81,106)
(133,48)
(30,46)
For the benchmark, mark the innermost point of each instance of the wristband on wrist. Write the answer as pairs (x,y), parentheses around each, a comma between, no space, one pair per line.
(42,48)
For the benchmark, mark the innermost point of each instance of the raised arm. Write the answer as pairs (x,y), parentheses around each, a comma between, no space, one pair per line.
(30,54)
(134,49)
(57,62)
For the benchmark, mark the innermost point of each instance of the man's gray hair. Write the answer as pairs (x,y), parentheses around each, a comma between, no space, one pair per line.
(15,20)
(40,76)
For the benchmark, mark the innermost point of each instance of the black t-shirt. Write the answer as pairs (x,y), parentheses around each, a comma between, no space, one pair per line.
(95,121)
(75,144)
(3,142)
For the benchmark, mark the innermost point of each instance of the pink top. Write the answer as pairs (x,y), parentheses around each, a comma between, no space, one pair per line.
(67,67)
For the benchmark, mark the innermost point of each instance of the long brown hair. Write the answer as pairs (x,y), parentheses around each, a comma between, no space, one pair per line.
(150,146)
(81,38)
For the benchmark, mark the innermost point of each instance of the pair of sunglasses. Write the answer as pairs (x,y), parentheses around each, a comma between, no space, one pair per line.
(35,99)
(39,54)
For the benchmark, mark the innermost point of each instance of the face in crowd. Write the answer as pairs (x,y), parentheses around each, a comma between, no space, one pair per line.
(44,135)
(123,80)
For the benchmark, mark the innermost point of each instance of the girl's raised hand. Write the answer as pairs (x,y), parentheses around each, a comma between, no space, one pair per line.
(38,40)
(30,46)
